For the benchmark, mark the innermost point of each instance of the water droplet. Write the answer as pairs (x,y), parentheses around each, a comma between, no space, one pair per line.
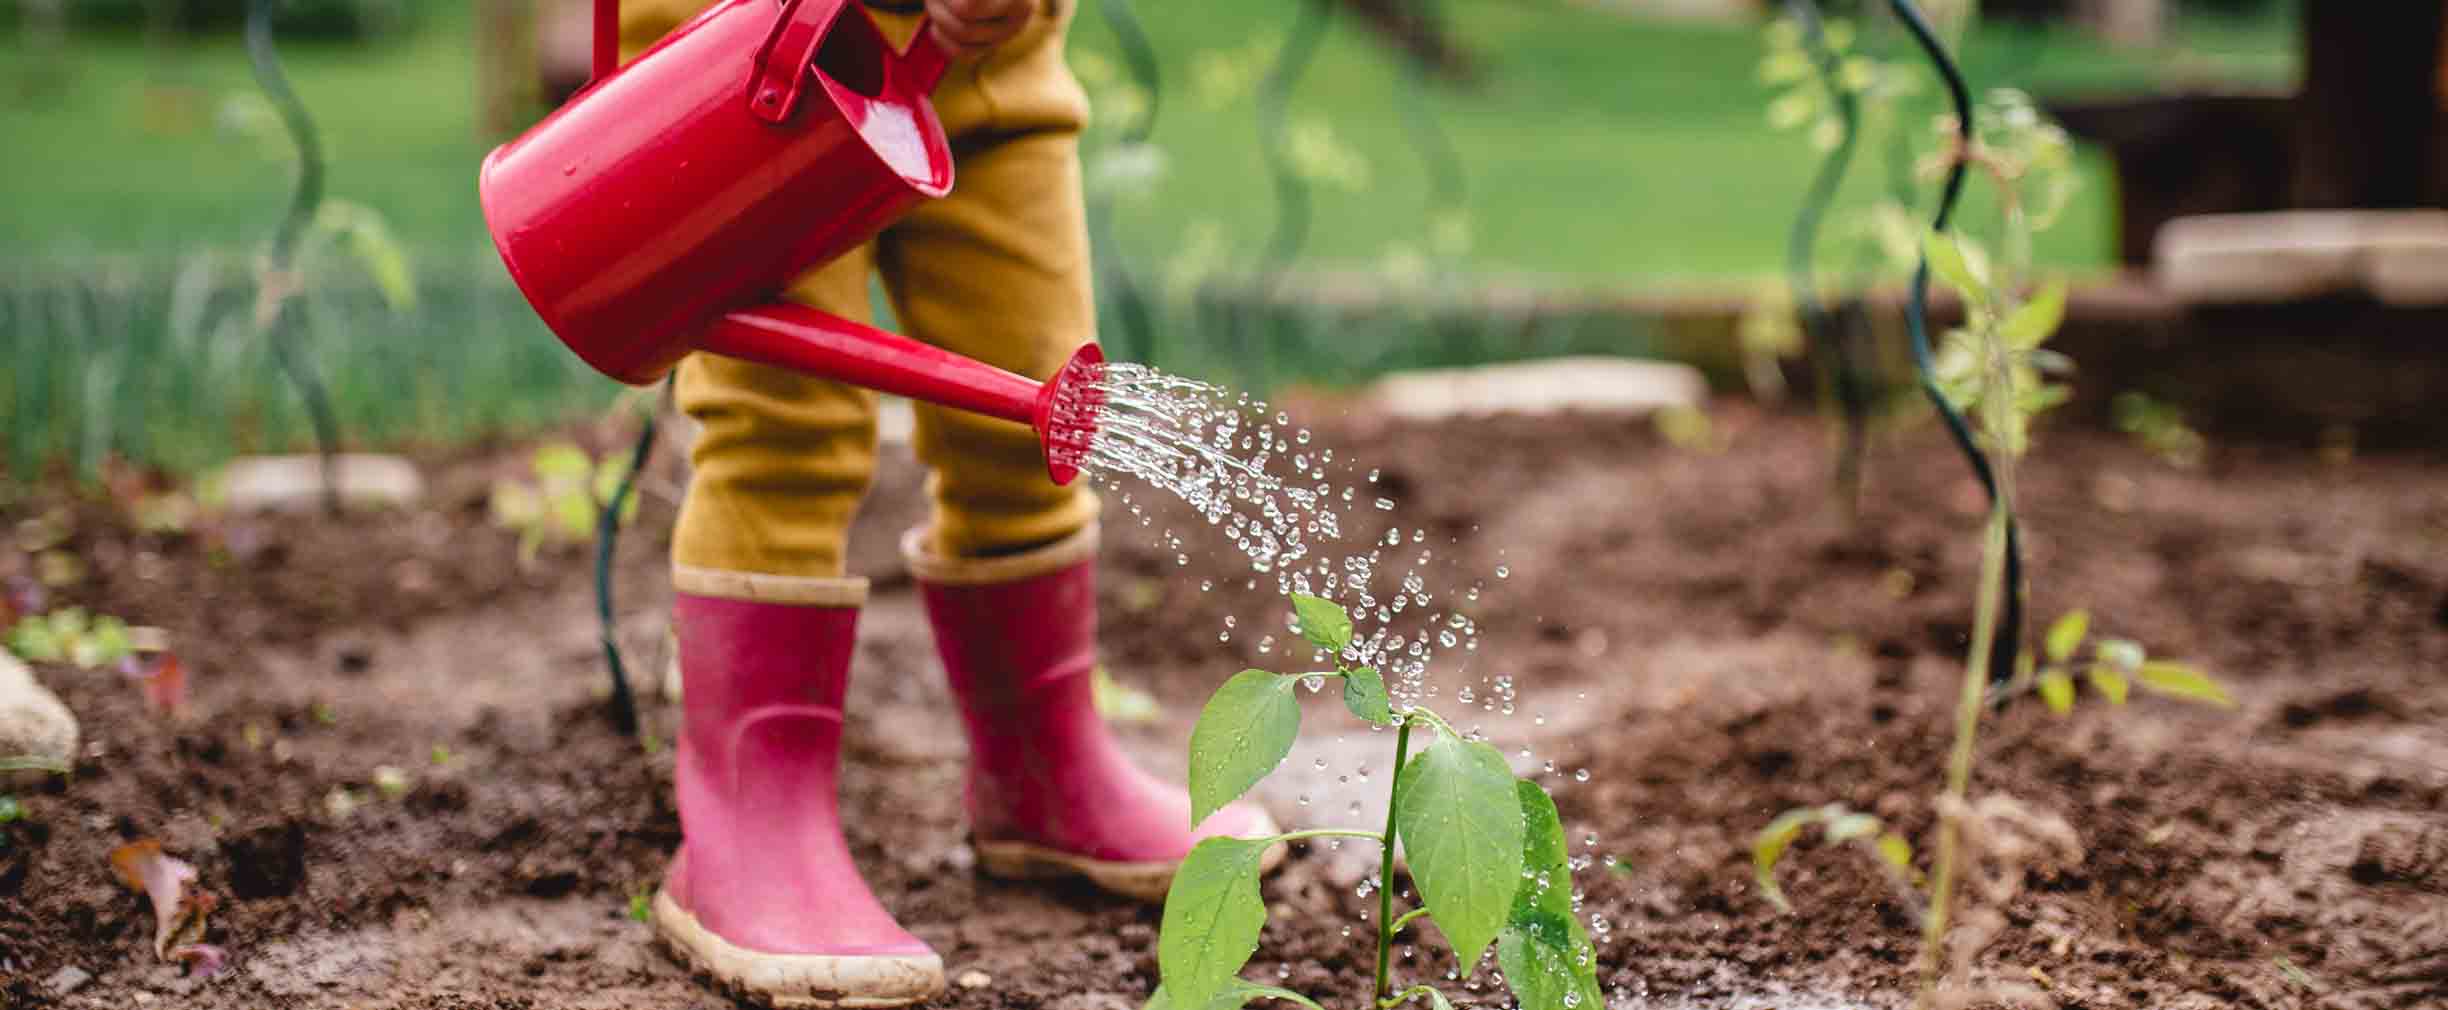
(1581,775)
(1386,504)
(1503,572)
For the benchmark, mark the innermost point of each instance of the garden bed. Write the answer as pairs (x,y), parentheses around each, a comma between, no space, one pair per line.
(1697,629)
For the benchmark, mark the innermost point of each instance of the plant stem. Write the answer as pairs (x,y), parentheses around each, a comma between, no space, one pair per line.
(1385,863)
(1389,1002)
(1998,406)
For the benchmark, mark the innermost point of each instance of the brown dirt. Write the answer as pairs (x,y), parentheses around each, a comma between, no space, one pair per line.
(1697,629)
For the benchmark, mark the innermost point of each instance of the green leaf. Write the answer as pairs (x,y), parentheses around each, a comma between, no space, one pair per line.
(1948,259)
(1236,994)
(2110,684)
(1543,854)
(370,240)
(2058,690)
(2122,655)
(2034,321)
(1364,692)
(1770,846)
(562,461)
(1242,734)
(1543,949)
(1212,917)
(1322,622)
(1844,828)
(2067,635)
(2183,681)
(1461,826)
(1895,850)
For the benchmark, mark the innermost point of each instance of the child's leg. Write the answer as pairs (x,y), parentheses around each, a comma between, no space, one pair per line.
(999,271)
(783,459)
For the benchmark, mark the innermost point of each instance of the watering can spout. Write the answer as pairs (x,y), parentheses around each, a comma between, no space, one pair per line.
(1063,410)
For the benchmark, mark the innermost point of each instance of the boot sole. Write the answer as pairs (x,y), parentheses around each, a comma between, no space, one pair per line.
(792,981)
(1146,882)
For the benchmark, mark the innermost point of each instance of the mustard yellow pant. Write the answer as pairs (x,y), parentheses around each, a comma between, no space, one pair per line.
(997,271)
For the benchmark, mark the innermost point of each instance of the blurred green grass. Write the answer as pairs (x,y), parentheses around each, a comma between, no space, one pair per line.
(1600,149)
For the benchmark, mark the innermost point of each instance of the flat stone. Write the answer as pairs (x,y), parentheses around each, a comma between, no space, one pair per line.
(2406,260)
(33,721)
(2397,256)
(68,979)
(295,483)
(1588,384)
(2259,258)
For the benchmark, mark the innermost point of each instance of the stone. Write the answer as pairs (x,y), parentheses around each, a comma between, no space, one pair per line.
(2406,260)
(973,979)
(33,721)
(295,483)
(68,979)
(1592,384)
(2258,258)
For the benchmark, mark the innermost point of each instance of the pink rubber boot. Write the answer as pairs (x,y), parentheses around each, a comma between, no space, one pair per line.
(1050,792)
(763,897)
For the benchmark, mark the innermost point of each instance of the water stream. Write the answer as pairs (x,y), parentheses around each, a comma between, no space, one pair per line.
(1304,516)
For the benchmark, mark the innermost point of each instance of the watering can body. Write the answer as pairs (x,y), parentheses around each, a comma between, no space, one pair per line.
(664,209)
(754,143)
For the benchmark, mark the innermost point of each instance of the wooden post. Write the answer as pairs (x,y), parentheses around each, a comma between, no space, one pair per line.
(505,67)
(2129,23)
(2367,118)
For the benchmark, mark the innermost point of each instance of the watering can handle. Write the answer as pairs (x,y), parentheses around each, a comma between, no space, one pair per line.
(783,67)
(924,61)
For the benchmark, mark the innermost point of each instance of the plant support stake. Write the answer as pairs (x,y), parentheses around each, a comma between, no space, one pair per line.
(278,283)
(1916,317)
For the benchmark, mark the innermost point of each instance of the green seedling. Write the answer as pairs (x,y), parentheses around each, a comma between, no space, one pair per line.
(72,635)
(1486,850)
(558,505)
(1994,369)
(2160,428)
(2113,667)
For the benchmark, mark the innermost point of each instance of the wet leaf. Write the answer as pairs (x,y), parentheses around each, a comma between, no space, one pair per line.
(2183,681)
(2057,690)
(1461,826)
(2110,684)
(1322,622)
(1364,692)
(1242,734)
(1770,846)
(1212,917)
(2034,321)
(1546,955)
(2067,635)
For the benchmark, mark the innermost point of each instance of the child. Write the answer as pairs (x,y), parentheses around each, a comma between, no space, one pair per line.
(762,895)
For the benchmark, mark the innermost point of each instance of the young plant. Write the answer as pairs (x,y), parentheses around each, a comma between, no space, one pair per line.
(1992,371)
(560,504)
(1485,849)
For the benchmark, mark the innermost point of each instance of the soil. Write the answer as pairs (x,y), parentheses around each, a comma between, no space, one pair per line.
(1699,630)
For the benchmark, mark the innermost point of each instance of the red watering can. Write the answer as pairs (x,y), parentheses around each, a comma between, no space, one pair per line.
(663,209)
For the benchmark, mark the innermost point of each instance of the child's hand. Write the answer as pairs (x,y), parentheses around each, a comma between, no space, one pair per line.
(970,27)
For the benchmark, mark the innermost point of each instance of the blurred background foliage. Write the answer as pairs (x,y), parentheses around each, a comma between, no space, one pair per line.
(1602,148)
